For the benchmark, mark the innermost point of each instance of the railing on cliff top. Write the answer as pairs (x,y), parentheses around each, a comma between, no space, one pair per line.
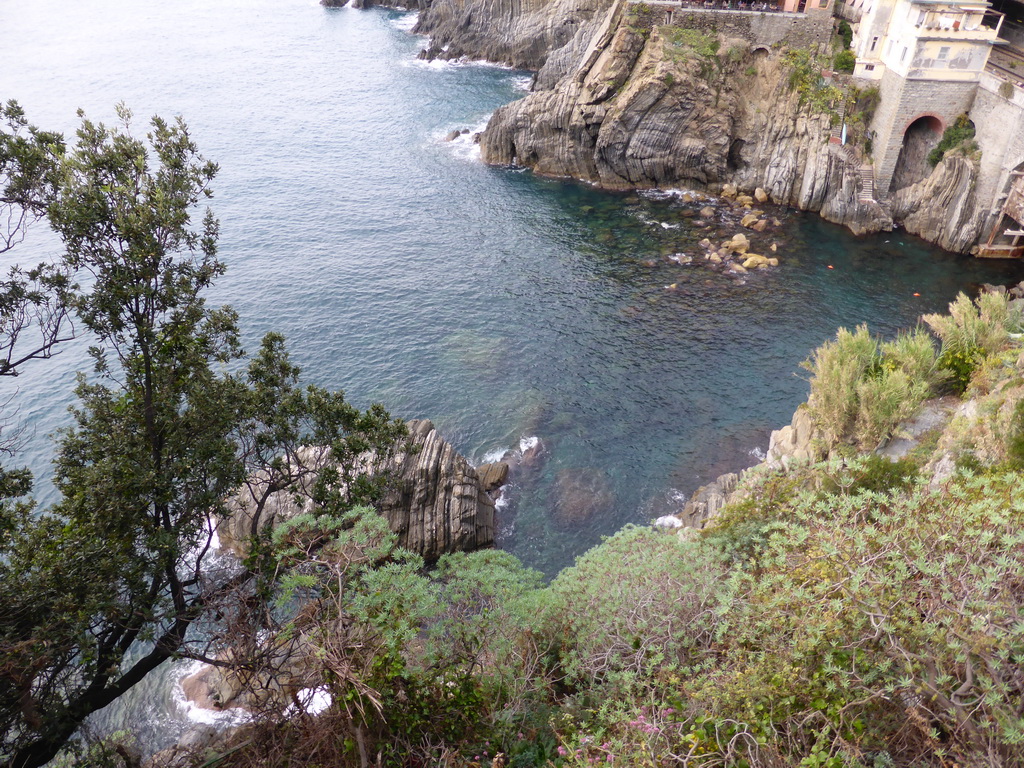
(719,6)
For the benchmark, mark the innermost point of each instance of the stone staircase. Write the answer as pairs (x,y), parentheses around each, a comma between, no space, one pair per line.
(867,184)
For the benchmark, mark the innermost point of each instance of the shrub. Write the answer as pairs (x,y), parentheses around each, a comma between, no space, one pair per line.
(1006,89)
(960,131)
(836,368)
(845,33)
(1015,441)
(845,61)
(861,390)
(969,332)
(882,623)
(639,602)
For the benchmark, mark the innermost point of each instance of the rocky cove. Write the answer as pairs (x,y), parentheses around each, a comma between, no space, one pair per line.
(631,95)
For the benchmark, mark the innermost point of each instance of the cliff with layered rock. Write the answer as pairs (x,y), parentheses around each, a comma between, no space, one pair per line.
(631,95)
(520,33)
(435,500)
(662,106)
(943,208)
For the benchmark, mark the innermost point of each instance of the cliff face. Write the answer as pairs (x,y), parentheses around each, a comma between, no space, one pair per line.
(521,33)
(435,500)
(943,207)
(658,108)
(624,102)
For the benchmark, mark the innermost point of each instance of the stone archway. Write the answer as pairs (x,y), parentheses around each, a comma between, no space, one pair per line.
(920,137)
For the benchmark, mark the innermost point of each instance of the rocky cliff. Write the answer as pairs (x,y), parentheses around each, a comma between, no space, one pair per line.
(662,107)
(435,500)
(521,33)
(943,207)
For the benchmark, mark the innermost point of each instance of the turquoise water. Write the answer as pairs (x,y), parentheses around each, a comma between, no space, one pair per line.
(402,270)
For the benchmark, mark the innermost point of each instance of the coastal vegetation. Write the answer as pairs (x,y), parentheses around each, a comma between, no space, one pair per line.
(855,611)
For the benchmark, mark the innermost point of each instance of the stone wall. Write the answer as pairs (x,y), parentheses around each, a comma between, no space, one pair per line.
(999,122)
(903,101)
(809,30)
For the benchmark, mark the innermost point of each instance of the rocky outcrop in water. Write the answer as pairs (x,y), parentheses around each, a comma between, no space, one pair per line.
(435,500)
(643,109)
(521,33)
(942,208)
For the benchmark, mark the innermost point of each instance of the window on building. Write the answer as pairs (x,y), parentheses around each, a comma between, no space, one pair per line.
(904,55)
(944,52)
(874,42)
(869,67)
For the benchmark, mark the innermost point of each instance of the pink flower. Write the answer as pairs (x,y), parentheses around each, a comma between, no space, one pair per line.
(562,751)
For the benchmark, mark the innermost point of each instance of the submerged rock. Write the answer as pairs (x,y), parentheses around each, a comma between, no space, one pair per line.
(581,495)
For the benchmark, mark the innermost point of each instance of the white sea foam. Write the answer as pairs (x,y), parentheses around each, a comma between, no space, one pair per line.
(759,453)
(220,718)
(523,83)
(525,444)
(453,65)
(406,21)
(668,194)
(464,147)
(313,701)
(668,521)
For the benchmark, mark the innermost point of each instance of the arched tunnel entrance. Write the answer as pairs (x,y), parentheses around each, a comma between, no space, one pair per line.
(920,138)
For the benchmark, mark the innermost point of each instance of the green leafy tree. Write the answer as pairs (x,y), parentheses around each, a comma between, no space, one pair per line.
(100,590)
(34,317)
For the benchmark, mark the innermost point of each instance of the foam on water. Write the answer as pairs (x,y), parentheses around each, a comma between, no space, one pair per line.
(220,718)
(312,700)
(406,22)
(669,194)
(464,146)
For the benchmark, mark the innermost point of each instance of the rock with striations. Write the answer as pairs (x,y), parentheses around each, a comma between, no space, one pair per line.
(522,33)
(435,500)
(942,207)
(635,113)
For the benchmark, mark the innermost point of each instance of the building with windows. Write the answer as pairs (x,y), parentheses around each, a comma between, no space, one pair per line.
(927,58)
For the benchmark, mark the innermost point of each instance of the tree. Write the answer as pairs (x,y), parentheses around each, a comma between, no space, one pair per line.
(101,589)
(34,316)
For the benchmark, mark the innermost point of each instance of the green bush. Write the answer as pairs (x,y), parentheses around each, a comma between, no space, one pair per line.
(1015,441)
(970,332)
(861,390)
(959,132)
(639,602)
(845,33)
(844,61)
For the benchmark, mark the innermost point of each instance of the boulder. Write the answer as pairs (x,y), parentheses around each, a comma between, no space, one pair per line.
(452,136)
(738,243)
(744,200)
(760,195)
(707,212)
(707,500)
(434,500)
(755,261)
(729,190)
(795,441)
(492,476)
(748,220)
(581,495)
(760,225)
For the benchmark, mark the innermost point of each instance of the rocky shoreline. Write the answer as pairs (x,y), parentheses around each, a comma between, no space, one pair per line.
(625,103)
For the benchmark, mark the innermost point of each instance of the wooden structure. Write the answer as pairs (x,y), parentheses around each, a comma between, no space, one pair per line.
(1013,208)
